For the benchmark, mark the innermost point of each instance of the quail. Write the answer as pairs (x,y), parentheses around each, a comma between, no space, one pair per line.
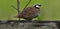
(30,12)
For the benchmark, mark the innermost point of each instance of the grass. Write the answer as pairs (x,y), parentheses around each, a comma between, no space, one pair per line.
(50,9)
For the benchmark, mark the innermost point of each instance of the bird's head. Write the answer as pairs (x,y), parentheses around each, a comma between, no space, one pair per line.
(37,6)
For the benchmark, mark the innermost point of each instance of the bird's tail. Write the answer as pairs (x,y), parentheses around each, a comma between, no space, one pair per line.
(19,16)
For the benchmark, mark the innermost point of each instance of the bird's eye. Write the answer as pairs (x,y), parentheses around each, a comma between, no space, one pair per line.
(39,5)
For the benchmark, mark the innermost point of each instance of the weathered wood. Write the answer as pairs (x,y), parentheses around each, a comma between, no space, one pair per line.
(30,21)
(35,23)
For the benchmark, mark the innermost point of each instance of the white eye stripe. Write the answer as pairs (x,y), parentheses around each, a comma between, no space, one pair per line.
(37,6)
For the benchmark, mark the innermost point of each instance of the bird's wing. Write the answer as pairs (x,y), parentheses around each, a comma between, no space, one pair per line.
(30,12)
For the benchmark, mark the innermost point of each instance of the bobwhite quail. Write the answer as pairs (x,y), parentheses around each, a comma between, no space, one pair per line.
(30,12)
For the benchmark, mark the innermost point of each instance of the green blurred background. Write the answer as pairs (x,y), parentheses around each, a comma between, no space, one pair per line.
(50,9)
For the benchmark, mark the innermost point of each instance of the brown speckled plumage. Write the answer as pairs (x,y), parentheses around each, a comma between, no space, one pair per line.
(29,13)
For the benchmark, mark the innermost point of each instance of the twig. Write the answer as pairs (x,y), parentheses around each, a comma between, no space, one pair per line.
(18,9)
(14,7)
(26,4)
(18,6)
